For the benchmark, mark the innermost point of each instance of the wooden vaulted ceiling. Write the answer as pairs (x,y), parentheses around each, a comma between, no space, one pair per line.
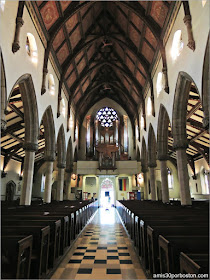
(197,136)
(104,49)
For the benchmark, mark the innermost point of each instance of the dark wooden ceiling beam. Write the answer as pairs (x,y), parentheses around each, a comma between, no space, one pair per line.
(16,138)
(16,110)
(12,128)
(199,135)
(194,109)
(9,156)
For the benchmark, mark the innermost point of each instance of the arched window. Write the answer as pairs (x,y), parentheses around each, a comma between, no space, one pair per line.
(159,84)
(71,122)
(106,116)
(2,4)
(142,122)
(149,106)
(31,47)
(51,84)
(170,179)
(76,133)
(177,44)
(63,107)
(204,2)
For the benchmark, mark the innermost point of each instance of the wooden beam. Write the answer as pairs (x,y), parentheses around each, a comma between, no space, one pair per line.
(199,135)
(16,138)
(16,110)
(194,109)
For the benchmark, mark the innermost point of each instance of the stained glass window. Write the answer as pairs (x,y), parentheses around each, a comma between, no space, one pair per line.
(106,116)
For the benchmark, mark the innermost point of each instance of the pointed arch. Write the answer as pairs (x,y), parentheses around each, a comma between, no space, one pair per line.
(49,133)
(144,159)
(61,148)
(75,155)
(162,133)
(152,151)
(181,96)
(138,156)
(69,156)
(31,118)
(206,87)
(3,94)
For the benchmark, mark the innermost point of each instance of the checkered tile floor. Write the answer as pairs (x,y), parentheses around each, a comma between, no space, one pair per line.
(103,251)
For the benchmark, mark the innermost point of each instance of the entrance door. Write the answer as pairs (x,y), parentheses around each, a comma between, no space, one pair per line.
(107,193)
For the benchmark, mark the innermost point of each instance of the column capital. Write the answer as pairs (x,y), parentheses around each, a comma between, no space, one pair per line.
(61,165)
(180,146)
(163,158)
(31,147)
(144,169)
(152,165)
(49,158)
(69,170)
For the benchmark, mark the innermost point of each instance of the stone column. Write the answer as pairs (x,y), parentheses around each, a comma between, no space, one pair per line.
(30,149)
(153,182)
(183,176)
(68,183)
(146,193)
(61,169)
(164,180)
(48,180)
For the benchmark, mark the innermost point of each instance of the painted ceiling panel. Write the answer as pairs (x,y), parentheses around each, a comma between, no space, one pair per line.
(71,79)
(147,52)
(58,39)
(63,53)
(71,23)
(49,14)
(159,12)
(151,38)
(75,37)
(65,4)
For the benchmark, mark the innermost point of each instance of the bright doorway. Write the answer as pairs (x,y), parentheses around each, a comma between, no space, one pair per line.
(106,193)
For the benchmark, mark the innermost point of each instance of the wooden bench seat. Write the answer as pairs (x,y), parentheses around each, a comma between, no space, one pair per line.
(40,248)
(16,254)
(171,246)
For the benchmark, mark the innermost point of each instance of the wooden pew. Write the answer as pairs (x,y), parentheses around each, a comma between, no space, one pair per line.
(48,219)
(40,248)
(194,263)
(171,246)
(174,229)
(16,254)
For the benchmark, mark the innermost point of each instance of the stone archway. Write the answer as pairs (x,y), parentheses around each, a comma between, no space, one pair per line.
(152,155)
(49,151)
(144,168)
(10,191)
(180,144)
(162,149)
(61,162)
(206,87)
(3,94)
(30,144)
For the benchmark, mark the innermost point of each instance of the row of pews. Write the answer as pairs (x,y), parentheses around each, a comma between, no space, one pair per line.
(169,238)
(35,237)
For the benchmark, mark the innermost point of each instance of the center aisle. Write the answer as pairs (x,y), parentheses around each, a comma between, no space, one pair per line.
(103,251)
